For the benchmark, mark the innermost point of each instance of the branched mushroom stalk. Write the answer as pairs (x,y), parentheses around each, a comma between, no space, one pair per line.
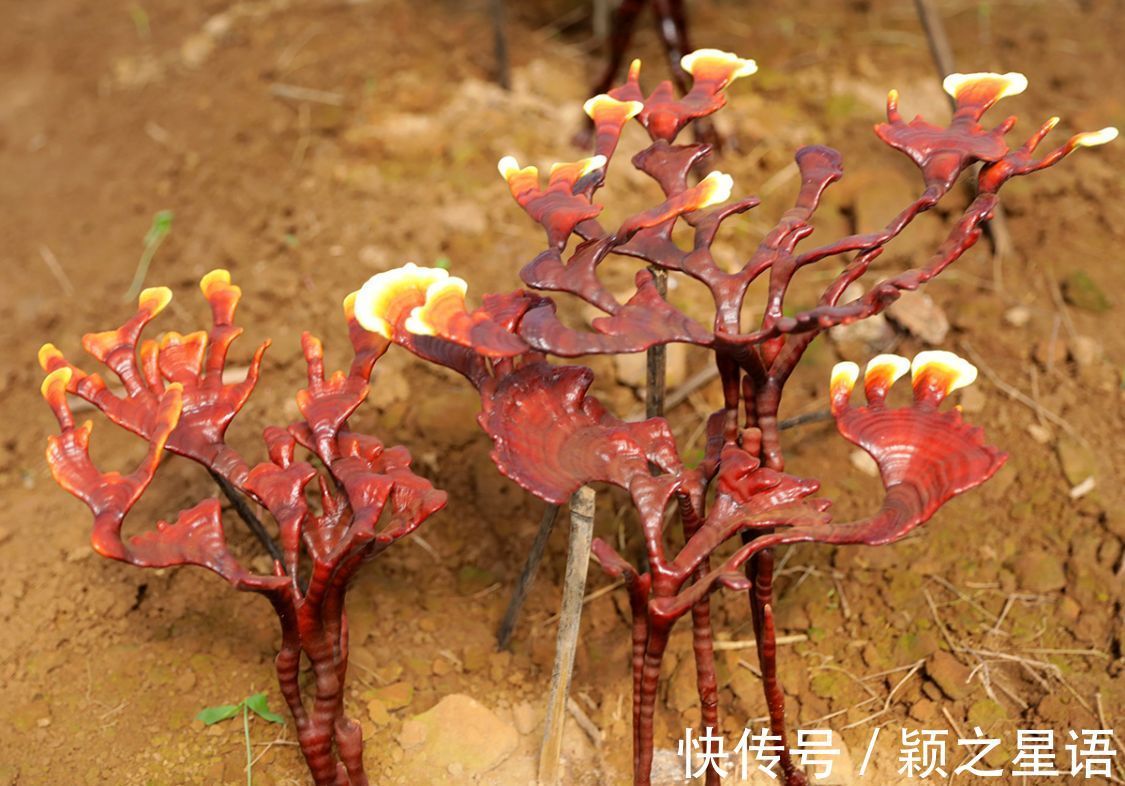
(551,437)
(175,398)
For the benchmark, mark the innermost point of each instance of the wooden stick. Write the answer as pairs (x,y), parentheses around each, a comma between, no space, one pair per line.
(749,644)
(500,45)
(942,53)
(309,94)
(657,358)
(574,592)
(527,577)
(252,522)
(52,263)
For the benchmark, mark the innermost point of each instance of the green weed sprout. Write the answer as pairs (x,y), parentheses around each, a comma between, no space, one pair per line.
(256,703)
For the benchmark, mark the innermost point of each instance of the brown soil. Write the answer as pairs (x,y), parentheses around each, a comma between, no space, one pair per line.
(107,117)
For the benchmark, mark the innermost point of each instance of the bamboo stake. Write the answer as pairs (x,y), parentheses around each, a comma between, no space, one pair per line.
(527,577)
(570,617)
(942,53)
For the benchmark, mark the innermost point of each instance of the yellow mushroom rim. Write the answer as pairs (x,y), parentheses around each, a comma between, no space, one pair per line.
(349,306)
(954,371)
(48,353)
(172,338)
(1095,138)
(55,383)
(886,370)
(443,299)
(386,297)
(603,106)
(717,58)
(1009,84)
(520,180)
(154,299)
(509,167)
(573,171)
(214,282)
(843,377)
(949,370)
(715,188)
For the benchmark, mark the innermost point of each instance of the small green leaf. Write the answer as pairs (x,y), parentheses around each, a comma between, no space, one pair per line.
(259,704)
(161,226)
(140,21)
(212,715)
(443,262)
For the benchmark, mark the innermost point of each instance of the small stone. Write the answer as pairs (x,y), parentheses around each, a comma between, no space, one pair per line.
(1082,292)
(395,696)
(1040,433)
(973,399)
(195,50)
(859,339)
(1086,351)
(997,488)
(389,673)
(915,646)
(1039,572)
(218,25)
(747,691)
(525,717)
(1069,609)
(862,461)
(949,674)
(683,693)
(475,658)
(185,681)
(1077,460)
(499,665)
(924,710)
(413,734)
(1115,521)
(920,316)
(465,216)
(1050,352)
(986,713)
(459,732)
(377,711)
(1057,709)
(1017,316)
(428,624)
(828,684)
